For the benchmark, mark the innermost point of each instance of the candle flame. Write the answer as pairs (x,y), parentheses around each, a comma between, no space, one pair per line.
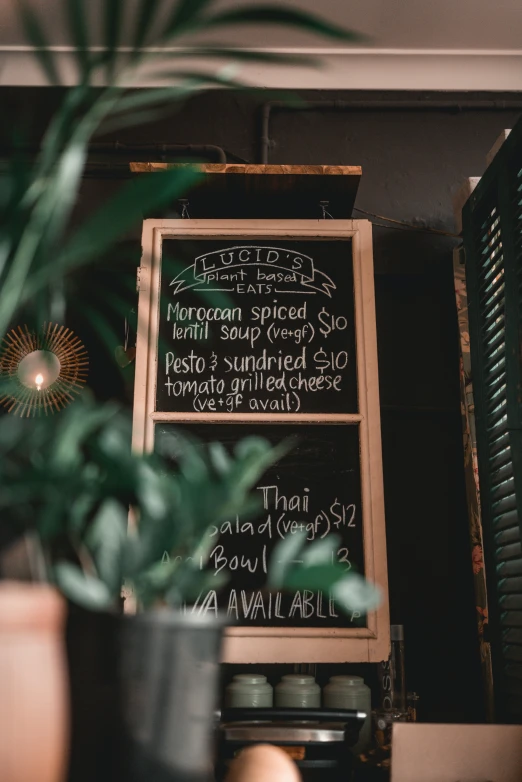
(39,381)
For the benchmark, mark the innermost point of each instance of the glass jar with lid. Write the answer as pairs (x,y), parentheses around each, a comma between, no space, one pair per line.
(297,691)
(350,692)
(249,691)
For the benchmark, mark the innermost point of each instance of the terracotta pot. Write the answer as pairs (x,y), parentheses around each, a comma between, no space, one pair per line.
(33,684)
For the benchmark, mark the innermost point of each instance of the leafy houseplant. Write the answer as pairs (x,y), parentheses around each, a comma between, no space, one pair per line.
(73,488)
(67,483)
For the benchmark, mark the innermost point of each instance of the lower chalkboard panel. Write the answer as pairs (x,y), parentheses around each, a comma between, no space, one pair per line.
(317,487)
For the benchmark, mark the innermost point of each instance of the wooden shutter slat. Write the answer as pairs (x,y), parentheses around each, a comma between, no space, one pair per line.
(495,302)
(488,226)
(500,458)
(494,319)
(504,489)
(509,552)
(511,619)
(496,391)
(501,474)
(507,536)
(494,351)
(498,445)
(492,267)
(495,365)
(505,505)
(510,584)
(497,405)
(506,520)
(498,427)
(490,221)
(492,215)
(490,240)
(493,322)
(493,344)
(511,602)
(493,292)
(510,569)
(488,248)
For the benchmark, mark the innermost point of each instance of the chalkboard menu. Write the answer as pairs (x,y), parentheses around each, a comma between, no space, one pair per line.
(256,327)
(267,328)
(315,488)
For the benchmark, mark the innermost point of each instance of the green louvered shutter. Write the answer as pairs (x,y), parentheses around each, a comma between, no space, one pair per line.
(493,243)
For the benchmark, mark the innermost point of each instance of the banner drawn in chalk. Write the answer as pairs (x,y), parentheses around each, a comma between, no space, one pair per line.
(299,268)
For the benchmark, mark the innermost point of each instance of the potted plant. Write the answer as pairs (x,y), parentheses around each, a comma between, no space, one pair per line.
(143,686)
(68,482)
(71,491)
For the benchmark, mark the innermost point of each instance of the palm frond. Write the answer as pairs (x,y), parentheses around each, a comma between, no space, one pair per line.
(124,210)
(187,15)
(145,18)
(35,35)
(113,22)
(79,32)
(50,199)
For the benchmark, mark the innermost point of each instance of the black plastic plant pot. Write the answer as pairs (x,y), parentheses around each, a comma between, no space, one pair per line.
(96,748)
(169,681)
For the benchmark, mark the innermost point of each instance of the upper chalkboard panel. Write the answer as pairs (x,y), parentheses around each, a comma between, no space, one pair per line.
(257,326)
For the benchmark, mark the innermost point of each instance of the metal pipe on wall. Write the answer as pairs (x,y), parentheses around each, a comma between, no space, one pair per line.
(122,154)
(195,150)
(453,106)
(117,148)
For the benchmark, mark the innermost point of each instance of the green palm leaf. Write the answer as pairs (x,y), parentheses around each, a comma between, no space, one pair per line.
(78,29)
(123,211)
(188,14)
(36,36)
(145,19)
(80,473)
(113,23)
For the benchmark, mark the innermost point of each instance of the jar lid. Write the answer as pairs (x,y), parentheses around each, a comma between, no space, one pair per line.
(347,681)
(250,678)
(297,678)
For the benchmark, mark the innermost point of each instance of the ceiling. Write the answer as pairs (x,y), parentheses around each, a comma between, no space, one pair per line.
(449,44)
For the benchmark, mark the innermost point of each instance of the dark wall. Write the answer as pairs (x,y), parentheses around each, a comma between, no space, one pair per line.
(412,163)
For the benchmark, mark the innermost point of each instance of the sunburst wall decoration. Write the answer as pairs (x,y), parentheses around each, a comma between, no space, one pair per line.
(40,372)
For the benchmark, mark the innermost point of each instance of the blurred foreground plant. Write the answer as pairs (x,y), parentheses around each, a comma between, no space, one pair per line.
(67,482)
(69,488)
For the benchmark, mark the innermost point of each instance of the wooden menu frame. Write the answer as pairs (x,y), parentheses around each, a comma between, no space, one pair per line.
(289,644)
